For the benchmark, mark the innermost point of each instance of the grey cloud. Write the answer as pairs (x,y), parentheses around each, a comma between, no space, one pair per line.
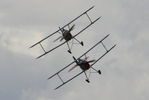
(42,12)
(124,70)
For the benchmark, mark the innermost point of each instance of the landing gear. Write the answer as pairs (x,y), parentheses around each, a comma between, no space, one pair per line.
(87,79)
(79,42)
(69,48)
(98,71)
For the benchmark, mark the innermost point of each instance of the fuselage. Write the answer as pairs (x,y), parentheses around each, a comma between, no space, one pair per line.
(67,35)
(84,65)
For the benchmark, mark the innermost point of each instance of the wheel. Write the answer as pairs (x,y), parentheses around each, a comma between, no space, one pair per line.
(82,43)
(87,80)
(99,71)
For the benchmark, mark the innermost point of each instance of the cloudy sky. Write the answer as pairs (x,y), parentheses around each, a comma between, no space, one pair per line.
(125,70)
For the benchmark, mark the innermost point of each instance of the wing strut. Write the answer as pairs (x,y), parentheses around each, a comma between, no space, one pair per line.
(89,17)
(104,46)
(42,47)
(60,78)
(103,54)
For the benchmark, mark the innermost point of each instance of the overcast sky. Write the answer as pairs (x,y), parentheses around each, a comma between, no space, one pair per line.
(125,70)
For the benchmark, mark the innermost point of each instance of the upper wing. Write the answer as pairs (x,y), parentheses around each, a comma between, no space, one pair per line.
(92,22)
(103,55)
(62,27)
(94,46)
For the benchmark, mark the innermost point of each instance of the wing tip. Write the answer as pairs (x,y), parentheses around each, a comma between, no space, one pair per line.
(48,78)
(30,46)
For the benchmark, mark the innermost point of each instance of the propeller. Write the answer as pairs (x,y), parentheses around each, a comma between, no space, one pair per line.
(77,61)
(61,38)
(74,65)
(62,30)
(72,28)
(91,61)
(72,68)
(86,57)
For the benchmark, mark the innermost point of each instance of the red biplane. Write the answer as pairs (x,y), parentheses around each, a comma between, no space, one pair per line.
(66,34)
(84,64)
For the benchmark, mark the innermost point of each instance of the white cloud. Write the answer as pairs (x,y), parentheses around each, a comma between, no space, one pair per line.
(19,40)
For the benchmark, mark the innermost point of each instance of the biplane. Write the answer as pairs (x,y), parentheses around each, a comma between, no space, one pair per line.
(66,34)
(83,63)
